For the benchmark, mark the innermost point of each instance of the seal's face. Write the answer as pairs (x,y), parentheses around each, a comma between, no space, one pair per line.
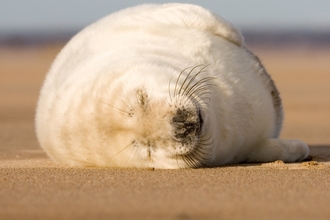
(158,129)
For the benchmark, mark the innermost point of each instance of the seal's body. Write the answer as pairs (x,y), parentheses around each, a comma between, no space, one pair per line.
(163,86)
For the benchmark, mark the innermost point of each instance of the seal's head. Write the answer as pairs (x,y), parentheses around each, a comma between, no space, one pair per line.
(150,125)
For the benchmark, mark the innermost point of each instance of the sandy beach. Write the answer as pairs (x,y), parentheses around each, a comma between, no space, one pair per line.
(34,187)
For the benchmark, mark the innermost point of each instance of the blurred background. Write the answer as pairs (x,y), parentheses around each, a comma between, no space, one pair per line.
(36,21)
(292,38)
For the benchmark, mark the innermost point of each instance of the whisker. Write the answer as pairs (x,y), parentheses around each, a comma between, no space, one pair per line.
(207,139)
(201,93)
(177,80)
(205,95)
(176,83)
(198,94)
(123,112)
(199,83)
(200,156)
(122,149)
(191,160)
(204,105)
(197,98)
(129,156)
(187,77)
(169,88)
(188,160)
(192,79)
(207,143)
(128,106)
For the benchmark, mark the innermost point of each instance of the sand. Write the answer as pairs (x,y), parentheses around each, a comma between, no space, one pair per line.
(34,187)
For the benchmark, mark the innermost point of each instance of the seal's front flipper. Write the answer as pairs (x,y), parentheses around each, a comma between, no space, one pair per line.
(277,149)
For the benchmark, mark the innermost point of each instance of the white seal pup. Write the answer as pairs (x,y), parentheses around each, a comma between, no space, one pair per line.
(163,86)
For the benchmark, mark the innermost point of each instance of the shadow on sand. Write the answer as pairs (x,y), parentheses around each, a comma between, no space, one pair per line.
(320,153)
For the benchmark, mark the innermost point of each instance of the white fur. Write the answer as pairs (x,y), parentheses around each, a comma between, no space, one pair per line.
(91,113)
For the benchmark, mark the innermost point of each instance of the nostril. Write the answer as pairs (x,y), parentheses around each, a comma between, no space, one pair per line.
(179,118)
(180,131)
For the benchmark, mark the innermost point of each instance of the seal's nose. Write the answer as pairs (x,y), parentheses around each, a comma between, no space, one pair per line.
(186,125)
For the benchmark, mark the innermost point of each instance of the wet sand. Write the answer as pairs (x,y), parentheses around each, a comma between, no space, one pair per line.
(34,187)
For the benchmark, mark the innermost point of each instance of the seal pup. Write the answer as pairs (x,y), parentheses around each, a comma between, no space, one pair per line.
(161,86)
